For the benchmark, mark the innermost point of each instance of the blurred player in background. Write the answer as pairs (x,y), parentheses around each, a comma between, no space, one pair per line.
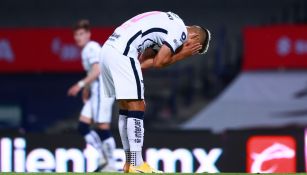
(161,33)
(96,109)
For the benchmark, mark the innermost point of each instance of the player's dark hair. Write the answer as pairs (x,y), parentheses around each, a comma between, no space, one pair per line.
(82,24)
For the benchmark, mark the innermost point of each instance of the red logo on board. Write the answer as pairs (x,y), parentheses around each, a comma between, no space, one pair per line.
(271,154)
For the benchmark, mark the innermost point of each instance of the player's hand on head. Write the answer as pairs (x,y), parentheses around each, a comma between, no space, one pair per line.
(191,47)
(193,37)
(74,90)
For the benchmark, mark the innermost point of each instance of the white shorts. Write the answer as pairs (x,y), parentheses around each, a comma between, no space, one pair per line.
(122,76)
(98,107)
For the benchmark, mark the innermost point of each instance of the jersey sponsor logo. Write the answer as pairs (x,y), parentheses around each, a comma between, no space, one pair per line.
(113,37)
(173,15)
(271,154)
(170,16)
(6,52)
(66,51)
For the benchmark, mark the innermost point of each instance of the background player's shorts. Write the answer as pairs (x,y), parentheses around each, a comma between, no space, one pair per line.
(122,76)
(98,107)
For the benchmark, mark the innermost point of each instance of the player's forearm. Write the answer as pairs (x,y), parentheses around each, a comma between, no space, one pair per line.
(177,57)
(148,63)
(92,76)
(169,61)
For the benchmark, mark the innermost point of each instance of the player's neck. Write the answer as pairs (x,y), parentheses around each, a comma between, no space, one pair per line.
(85,44)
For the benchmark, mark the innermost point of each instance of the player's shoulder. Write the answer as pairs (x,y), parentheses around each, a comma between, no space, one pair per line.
(176,22)
(91,46)
(174,17)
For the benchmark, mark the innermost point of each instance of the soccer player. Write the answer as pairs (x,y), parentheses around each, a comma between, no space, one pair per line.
(163,32)
(96,109)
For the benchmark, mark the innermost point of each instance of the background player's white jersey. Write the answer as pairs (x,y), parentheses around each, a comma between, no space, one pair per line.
(151,29)
(90,55)
(97,108)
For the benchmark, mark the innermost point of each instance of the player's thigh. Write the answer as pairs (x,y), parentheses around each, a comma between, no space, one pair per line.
(124,105)
(128,79)
(105,79)
(125,73)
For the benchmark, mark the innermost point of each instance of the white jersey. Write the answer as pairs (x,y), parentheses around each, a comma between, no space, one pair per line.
(151,29)
(97,108)
(90,55)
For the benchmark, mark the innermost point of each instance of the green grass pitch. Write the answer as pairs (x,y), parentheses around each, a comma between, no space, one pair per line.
(146,173)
